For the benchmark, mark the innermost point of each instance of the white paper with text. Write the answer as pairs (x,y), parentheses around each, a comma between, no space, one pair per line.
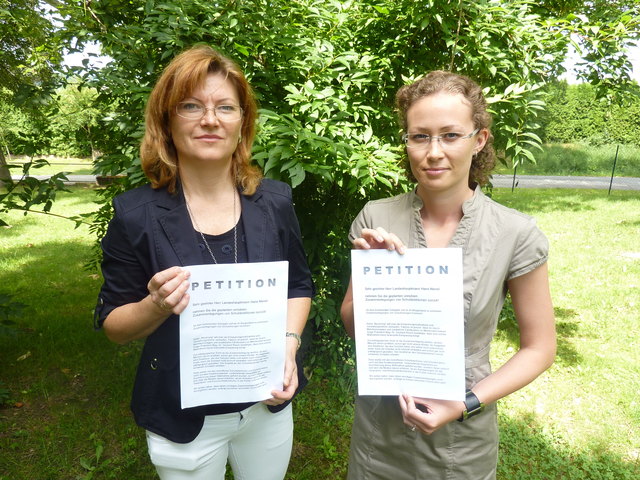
(409,322)
(232,333)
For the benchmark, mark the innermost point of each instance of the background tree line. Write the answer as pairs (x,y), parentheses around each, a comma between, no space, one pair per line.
(572,114)
(63,126)
(575,114)
(325,73)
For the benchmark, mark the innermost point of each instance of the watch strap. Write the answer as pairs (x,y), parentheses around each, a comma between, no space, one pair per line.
(473,406)
(296,336)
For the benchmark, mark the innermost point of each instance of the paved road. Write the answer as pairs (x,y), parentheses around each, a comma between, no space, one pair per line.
(598,183)
(500,181)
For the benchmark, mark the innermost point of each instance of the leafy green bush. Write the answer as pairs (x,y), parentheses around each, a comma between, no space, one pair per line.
(574,114)
(325,73)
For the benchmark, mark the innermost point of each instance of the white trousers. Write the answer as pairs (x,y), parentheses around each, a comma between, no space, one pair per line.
(256,442)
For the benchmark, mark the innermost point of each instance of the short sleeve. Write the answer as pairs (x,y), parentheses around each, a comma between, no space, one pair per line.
(531,250)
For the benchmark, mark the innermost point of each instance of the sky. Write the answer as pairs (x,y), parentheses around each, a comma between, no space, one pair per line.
(634,56)
(75,59)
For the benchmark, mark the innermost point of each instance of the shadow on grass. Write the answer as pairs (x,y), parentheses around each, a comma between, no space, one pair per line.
(59,296)
(528,451)
(68,386)
(531,201)
(566,329)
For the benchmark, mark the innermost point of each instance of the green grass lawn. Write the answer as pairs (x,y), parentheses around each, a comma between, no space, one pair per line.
(578,159)
(71,166)
(581,419)
(66,388)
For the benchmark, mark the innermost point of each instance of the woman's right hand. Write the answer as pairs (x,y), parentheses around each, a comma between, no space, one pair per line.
(167,295)
(168,290)
(369,238)
(378,238)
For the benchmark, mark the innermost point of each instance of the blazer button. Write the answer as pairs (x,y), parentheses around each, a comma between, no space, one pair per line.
(154,364)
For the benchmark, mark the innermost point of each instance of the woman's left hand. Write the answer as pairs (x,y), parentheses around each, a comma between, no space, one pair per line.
(428,415)
(290,382)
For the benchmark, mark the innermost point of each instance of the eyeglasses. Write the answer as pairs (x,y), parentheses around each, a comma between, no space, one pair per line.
(196,110)
(448,140)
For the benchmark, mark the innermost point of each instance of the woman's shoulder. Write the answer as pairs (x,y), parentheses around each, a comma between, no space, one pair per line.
(507,214)
(138,197)
(511,222)
(269,186)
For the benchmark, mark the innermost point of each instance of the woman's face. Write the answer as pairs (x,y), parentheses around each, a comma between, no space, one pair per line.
(443,165)
(210,138)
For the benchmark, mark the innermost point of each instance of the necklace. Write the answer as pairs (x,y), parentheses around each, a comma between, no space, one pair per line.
(206,244)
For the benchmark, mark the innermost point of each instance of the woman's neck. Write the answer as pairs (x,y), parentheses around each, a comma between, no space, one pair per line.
(212,200)
(209,184)
(443,207)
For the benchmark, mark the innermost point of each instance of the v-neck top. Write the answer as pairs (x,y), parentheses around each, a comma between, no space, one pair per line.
(498,243)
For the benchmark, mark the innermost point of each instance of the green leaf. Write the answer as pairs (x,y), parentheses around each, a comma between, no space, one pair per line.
(297,175)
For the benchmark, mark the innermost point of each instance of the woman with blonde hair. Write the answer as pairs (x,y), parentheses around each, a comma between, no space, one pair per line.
(205,203)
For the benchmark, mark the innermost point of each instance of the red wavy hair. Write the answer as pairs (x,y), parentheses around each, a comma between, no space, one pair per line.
(182,76)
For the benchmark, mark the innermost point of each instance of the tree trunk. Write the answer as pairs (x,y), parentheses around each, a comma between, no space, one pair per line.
(5,174)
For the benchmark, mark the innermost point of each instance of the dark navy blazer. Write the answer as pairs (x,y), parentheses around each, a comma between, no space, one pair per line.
(151,231)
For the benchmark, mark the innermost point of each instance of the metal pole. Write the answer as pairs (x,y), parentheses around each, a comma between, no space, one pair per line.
(615,160)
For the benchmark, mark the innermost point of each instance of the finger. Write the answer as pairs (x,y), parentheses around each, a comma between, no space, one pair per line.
(374,238)
(376,235)
(162,291)
(403,404)
(361,244)
(164,276)
(290,382)
(397,244)
(169,301)
(411,404)
(182,304)
(411,413)
(281,396)
(386,238)
(290,371)
(405,418)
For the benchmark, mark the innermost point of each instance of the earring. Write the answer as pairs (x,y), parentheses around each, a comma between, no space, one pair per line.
(239,139)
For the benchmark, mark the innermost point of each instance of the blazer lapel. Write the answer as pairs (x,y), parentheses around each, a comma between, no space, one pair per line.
(175,222)
(254,221)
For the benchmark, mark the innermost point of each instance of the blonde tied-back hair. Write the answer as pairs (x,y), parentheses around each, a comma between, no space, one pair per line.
(180,78)
(453,83)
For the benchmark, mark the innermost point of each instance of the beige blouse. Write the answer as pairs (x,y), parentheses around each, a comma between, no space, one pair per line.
(498,243)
